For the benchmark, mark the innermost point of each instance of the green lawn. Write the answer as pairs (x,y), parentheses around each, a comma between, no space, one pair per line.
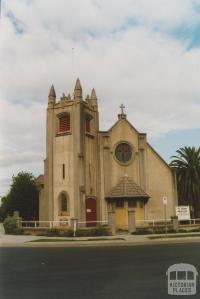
(77,240)
(174,236)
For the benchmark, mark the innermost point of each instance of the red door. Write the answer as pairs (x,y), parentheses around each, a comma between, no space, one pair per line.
(91,211)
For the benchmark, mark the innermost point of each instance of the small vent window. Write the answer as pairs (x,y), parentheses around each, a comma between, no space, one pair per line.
(119,203)
(87,124)
(63,171)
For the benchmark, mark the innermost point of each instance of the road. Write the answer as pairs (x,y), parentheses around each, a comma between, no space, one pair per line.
(94,272)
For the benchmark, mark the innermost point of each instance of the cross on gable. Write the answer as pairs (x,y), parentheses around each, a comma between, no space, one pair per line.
(122,108)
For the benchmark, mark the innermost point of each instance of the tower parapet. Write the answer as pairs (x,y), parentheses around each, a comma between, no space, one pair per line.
(52,97)
(78,91)
(93,98)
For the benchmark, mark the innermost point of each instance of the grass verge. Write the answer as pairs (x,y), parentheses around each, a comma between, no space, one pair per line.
(75,240)
(173,236)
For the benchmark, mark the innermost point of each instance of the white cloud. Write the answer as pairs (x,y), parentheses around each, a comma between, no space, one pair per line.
(125,49)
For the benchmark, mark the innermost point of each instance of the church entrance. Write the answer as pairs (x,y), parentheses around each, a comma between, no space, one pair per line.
(121,206)
(91,211)
(125,195)
(121,214)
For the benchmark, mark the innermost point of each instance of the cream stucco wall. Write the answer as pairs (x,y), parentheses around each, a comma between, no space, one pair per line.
(111,170)
(147,169)
(160,182)
(91,169)
(78,151)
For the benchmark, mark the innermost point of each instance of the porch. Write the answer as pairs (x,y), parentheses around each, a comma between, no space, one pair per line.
(124,196)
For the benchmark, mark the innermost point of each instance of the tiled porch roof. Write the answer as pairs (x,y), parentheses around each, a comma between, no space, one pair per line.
(126,187)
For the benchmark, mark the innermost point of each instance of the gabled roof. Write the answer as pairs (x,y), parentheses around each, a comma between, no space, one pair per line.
(133,128)
(157,154)
(120,120)
(126,187)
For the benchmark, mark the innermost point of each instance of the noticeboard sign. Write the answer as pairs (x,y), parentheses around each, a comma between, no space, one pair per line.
(183,212)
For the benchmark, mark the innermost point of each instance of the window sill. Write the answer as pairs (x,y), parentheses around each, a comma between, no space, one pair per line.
(89,135)
(63,133)
(63,214)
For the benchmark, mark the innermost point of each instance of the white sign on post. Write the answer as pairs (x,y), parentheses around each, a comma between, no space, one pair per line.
(183,212)
(165,200)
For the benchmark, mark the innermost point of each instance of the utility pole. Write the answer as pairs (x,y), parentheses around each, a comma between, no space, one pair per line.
(165,211)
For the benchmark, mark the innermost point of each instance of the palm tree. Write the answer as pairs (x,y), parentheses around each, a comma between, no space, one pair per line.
(187,166)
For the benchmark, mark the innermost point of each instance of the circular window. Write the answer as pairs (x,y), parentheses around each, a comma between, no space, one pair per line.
(123,152)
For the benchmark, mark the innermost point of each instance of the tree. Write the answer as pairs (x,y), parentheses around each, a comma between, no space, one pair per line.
(3,208)
(23,197)
(187,166)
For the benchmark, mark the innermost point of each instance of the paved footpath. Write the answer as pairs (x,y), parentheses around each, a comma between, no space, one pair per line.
(123,240)
(25,241)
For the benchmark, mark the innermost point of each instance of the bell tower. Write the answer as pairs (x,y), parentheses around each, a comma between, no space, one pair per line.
(71,164)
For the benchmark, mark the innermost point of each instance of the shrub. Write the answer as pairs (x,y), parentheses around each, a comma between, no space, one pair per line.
(10,226)
(90,232)
(82,232)
(142,231)
(194,230)
(100,231)
(67,233)
(18,231)
(171,231)
(182,230)
(53,232)
(162,229)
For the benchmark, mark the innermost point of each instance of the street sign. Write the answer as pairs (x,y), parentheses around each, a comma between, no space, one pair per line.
(165,200)
(183,212)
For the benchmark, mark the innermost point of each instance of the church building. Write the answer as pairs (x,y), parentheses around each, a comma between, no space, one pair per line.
(88,172)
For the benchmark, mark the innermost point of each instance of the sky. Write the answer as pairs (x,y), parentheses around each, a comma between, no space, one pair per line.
(142,53)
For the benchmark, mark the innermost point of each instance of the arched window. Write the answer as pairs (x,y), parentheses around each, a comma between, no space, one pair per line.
(64,122)
(63,203)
